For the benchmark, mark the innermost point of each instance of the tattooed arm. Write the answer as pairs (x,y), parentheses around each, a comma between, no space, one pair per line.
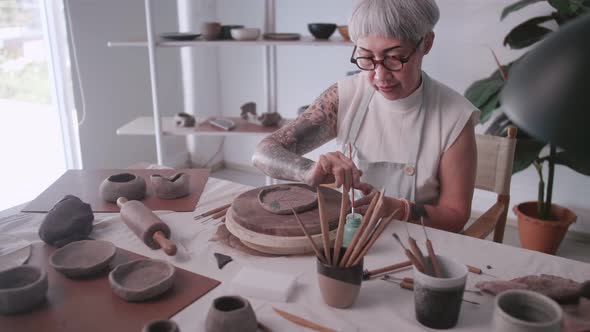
(280,154)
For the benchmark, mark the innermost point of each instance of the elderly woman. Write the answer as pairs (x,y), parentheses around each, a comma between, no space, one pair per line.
(410,134)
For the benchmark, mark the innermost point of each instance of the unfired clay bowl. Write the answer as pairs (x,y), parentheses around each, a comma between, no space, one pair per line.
(164,325)
(22,288)
(142,279)
(173,187)
(126,185)
(231,314)
(83,258)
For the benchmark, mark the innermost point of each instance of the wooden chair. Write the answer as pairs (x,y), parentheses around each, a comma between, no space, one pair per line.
(495,157)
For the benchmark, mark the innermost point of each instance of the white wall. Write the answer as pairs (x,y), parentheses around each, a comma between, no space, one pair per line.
(461,54)
(116,80)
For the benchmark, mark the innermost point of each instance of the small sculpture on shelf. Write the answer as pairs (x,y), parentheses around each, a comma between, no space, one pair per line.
(248,111)
(268,119)
(184,120)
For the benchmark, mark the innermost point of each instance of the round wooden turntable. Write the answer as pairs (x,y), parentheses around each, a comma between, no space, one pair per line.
(277,232)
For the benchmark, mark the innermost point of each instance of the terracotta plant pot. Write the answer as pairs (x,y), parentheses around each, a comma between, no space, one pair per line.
(231,314)
(339,286)
(542,235)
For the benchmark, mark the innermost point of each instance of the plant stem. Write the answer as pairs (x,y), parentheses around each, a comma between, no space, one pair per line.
(552,152)
(541,193)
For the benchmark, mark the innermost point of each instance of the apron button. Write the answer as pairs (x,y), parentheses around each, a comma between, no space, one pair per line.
(410,170)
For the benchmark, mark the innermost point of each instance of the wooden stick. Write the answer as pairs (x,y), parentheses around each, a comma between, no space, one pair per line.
(356,235)
(366,232)
(220,213)
(431,254)
(389,268)
(410,256)
(168,246)
(324,225)
(213,211)
(372,240)
(418,253)
(302,321)
(341,221)
(317,251)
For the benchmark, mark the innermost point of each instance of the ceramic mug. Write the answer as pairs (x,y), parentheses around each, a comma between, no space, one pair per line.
(211,30)
(231,314)
(339,286)
(437,301)
(526,311)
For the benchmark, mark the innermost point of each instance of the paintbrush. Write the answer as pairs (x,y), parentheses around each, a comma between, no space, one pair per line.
(311,241)
(416,250)
(341,221)
(409,254)
(324,227)
(431,254)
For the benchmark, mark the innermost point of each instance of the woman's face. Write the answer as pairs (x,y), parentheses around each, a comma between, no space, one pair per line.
(394,84)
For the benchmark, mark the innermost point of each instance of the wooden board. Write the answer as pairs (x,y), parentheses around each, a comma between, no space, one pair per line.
(85,184)
(249,214)
(89,305)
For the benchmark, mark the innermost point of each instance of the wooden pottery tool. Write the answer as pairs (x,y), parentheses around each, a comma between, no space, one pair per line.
(386,269)
(416,250)
(374,236)
(477,270)
(213,211)
(313,244)
(341,221)
(351,189)
(324,226)
(431,253)
(146,225)
(302,321)
(357,235)
(409,254)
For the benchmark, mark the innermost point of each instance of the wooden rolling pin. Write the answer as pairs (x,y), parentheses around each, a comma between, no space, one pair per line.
(146,225)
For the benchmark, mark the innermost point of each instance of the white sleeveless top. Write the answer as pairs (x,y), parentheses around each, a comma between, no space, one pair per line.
(381,136)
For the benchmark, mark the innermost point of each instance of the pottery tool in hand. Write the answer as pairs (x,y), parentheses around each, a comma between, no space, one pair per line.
(213,211)
(419,266)
(302,321)
(431,254)
(146,225)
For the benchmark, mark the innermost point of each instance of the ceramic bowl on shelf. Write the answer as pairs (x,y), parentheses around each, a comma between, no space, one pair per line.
(211,30)
(281,36)
(179,36)
(343,30)
(226,30)
(245,33)
(321,30)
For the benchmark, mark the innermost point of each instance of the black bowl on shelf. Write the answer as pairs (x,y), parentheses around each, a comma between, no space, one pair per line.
(321,30)
(226,30)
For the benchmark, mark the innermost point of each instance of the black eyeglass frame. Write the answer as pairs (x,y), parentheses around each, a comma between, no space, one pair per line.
(402,61)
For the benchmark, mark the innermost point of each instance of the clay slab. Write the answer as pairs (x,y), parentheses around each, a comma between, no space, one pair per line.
(83,258)
(142,279)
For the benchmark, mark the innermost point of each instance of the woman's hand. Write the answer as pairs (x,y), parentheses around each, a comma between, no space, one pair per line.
(334,167)
(390,204)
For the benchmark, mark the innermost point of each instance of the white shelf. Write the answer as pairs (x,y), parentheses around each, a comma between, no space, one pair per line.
(304,41)
(144,126)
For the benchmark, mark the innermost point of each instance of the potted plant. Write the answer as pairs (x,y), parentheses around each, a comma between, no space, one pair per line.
(542,224)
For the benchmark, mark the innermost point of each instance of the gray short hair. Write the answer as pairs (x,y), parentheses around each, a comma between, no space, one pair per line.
(407,20)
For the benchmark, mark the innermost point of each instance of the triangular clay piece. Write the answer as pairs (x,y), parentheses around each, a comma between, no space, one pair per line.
(222,259)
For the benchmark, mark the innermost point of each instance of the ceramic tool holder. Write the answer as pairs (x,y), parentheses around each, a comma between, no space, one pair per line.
(146,225)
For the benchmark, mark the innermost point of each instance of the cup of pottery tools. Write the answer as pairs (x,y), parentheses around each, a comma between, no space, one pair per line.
(526,311)
(231,314)
(437,301)
(339,286)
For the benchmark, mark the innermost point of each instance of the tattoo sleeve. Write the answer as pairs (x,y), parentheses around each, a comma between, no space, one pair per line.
(280,154)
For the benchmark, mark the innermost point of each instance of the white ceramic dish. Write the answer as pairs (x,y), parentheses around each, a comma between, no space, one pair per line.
(245,33)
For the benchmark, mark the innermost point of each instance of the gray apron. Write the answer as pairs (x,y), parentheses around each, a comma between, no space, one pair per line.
(398,179)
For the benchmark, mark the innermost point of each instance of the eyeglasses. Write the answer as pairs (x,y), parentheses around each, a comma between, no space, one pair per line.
(389,62)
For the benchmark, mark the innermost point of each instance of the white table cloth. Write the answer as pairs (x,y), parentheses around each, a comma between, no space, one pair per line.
(381,306)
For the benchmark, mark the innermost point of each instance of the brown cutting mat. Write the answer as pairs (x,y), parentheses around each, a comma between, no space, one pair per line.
(85,183)
(90,305)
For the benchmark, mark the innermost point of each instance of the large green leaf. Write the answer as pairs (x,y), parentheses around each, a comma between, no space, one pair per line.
(480,92)
(517,6)
(527,33)
(564,7)
(527,150)
(578,162)
(488,108)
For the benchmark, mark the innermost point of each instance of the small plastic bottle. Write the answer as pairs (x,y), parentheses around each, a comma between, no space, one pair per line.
(352,224)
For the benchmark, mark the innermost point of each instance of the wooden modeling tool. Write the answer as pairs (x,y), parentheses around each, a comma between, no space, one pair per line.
(374,236)
(146,225)
(359,230)
(216,215)
(213,211)
(431,254)
(313,245)
(324,226)
(416,250)
(352,189)
(366,231)
(409,254)
(341,221)
(302,321)
(477,270)
(386,269)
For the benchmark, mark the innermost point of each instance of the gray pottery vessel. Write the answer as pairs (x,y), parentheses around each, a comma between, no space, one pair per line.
(126,185)
(164,325)
(231,314)
(526,311)
(83,258)
(22,288)
(142,279)
(173,187)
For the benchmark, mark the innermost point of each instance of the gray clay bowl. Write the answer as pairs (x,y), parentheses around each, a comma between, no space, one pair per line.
(83,258)
(22,288)
(321,30)
(172,187)
(163,325)
(142,279)
(126,185)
